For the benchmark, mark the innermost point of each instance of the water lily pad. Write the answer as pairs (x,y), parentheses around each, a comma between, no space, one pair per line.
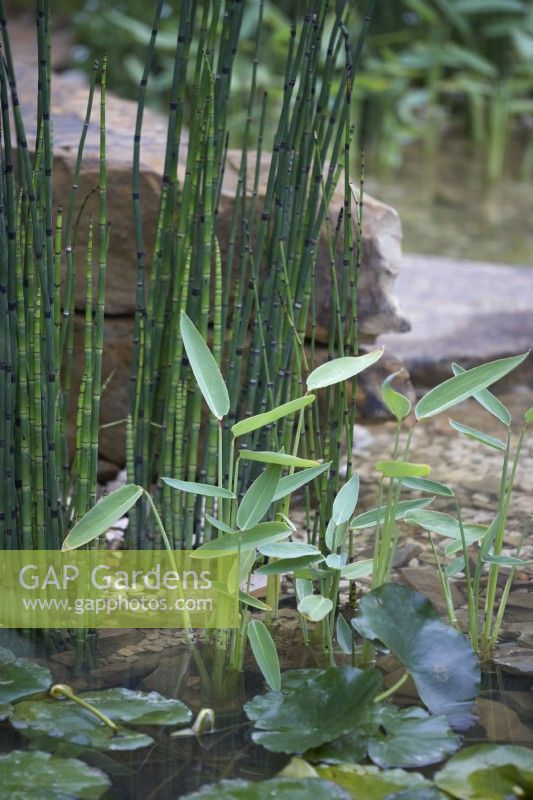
(280,788)
(20,677)
(58,721)
(488,772)
(371,783)
(6,709)
(41,776)
(410,737)
(352,747)
(426,793)
(139,708)
(439,658)
(290,681)
(321,709)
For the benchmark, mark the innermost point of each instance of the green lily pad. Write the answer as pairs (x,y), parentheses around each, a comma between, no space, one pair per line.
(279,788)
(41,776)
(488,772)
(321,709)
(371,783)
(352,747)
(20,677)
(139,708)
(439,658)
(58,721)
(6,709)
(427,793)
(410,737)
(290,681)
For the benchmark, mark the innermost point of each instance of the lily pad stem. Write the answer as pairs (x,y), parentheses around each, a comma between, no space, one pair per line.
(392,689)
(61,690)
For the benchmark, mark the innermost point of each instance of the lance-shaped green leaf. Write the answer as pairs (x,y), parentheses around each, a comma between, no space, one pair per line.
(205,368)
(341,369)
(335,534)
(445,525)
(204,489)
(261,534)
(376,516)
(477,436)
(218,524)
(344,634)
(397,403)
(465,385)
(315,607)
(253,602)
(345,501)
(508,561)
(486,399)
(256,502)
(265,653)
(102,516)
(250,424)
(402,469)
(528,416)
(281,459)
(358,569)
(424,485)
(288,550)
(291,483)
(289,564)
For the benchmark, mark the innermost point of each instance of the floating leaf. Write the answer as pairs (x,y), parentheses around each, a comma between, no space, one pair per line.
(40,776)
(250,424)
(358,569)
(410,737)
(265,653)
(345,501)
(402,469)
(282,459)
(371,783)
(20,677)
(102,516)
(315,607)
(261,534)
(205,368)
(486,399)
(432,487)
(438,658)
(258,498)
(284,565)
(465,769)
(464,385)
(291,483)
(319,709)
(397,403)
(204,489)
(279,788)
(139,708)
(341,369)
(376,516)
(477,436)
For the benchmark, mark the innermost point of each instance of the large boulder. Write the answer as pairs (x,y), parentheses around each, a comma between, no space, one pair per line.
(378,309)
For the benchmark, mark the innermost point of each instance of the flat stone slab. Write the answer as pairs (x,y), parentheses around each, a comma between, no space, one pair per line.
(464,311)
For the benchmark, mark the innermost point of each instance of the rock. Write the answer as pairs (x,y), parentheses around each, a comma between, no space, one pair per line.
(521,702)
(406,552)
(426,581)
(465,311)
(111,640)
(168,675)
(107,470)
(501,723)
(517,661)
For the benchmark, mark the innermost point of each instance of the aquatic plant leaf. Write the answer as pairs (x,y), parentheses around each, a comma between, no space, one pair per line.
(508,561)
(358,569)
(279,788)
(315,607)
(139,708)
(402,469)
(253,602)
(40,776)
(426,793)
(371,783)
(20,677)
(425,485)
(410,737)
(291,483)
(346,501)
(54,722)
(205,368)
(283,459)
(250,424)
(489,401)
(284,565)
(465,385)
(376,515)
(265,653)
(445,525)
(344,634)
(477,436)
(341,369)
(291,680)
(439,659)
(335,534)
(261,534)
(321,709)
(397,403)
(102,516)
(6,709)
(528,416)
(288,550)
(257,499)
(204,489)
(463,776)
(218,524)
